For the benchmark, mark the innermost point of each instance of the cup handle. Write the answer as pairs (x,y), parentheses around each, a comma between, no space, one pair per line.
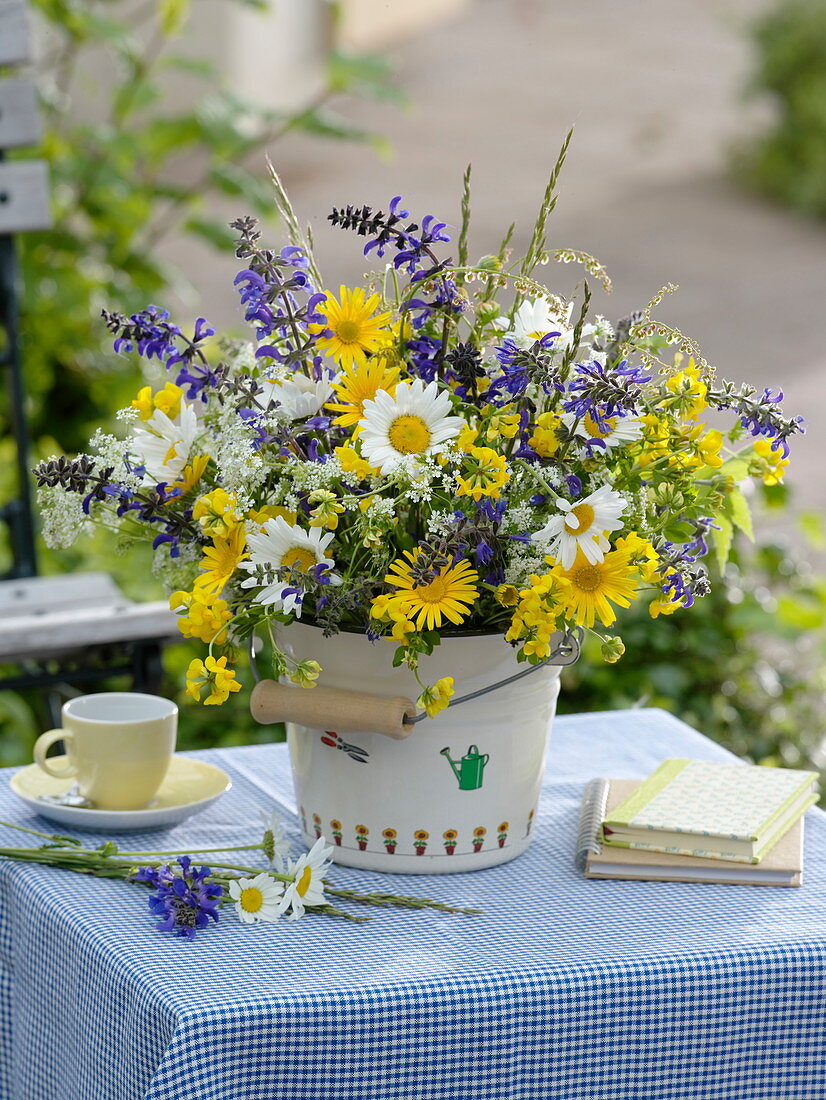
(42,746)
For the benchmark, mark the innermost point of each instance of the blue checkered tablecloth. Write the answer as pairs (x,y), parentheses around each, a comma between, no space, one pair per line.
(563,989)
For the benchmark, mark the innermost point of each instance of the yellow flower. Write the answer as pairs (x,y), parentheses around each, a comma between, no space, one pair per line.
(270,511)
(213,674)
(769,462)
(220,562)
(434,699)
(356,385)
(656,439)
(537,610)
(504,424)
(595,586)
(507,595)
(327,509)
(191,475)
(691,389)
(216,514)
(449,595)
(204,620)
(168,400)
(466,440)
(306,673)
(640,553)
(545,440)
(663,606)
(487,473)
(352,463)
(353,325)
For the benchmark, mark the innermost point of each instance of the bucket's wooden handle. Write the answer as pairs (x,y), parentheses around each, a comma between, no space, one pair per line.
(328,708)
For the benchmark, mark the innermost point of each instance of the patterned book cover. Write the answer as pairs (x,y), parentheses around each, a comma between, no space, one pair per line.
(740,803)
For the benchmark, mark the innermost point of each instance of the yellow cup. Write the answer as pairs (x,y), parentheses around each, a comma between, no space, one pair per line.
(119,745)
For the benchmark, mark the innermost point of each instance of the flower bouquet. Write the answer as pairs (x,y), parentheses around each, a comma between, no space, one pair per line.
(414,485)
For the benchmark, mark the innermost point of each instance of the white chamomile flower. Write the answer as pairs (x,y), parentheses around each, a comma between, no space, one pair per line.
(532,321)
(282,545)
(257,899)
(164,445)
(275,844)
(297,396)
(583,526)
(415,422)
(615,431)
(307,887)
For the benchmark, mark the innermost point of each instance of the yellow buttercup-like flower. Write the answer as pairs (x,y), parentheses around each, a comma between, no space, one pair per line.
(326,509)
(691,389)
(545,439)
(435,698)
(484,472)
(663,606)
(216,514)
(537,609)
(168,400)
(595,586)
(449,595)
(640,553)
(270,511)
(769,462)
(220,562)
(204,620)
(354,326)
(352,463)
(213,674)
(505,425)
(357,384)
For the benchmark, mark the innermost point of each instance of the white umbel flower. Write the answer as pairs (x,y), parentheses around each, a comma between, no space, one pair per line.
(164,445)
(583,526)
(297,396)
(307,887)
(282,545)
(413,423)
(257,899)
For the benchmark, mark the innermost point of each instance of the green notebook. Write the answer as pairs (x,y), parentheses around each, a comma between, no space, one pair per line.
(717,811)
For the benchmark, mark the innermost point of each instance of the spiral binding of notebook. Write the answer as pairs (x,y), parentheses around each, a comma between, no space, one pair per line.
(591,814)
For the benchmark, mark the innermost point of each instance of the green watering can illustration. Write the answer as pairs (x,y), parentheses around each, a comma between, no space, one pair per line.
(470,770)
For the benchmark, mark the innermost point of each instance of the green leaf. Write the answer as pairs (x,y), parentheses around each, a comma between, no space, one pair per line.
(214,231)
(738,510)
(678,531)
(172,16)
(722,540)
(811,524)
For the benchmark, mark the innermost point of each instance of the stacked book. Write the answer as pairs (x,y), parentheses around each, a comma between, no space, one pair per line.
(698,821)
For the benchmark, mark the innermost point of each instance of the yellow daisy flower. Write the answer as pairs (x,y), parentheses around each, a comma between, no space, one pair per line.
(191,475)
(356,385)
(596,585)
(450,595)
(354,326)
(220,562)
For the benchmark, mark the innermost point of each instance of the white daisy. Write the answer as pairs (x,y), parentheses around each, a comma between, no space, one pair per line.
(583,526)
(282,545)
(297,396)
(307,887)
(416,421)
(275,844)
(616,431)
(257,899)
(164,445)
(531,322)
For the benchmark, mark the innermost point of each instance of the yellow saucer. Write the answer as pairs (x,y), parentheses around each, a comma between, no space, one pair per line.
(188,788)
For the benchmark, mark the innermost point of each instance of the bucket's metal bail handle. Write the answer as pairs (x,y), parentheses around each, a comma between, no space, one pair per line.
(565,653)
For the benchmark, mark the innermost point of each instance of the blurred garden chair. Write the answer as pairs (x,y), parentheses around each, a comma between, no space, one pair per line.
(55,631)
